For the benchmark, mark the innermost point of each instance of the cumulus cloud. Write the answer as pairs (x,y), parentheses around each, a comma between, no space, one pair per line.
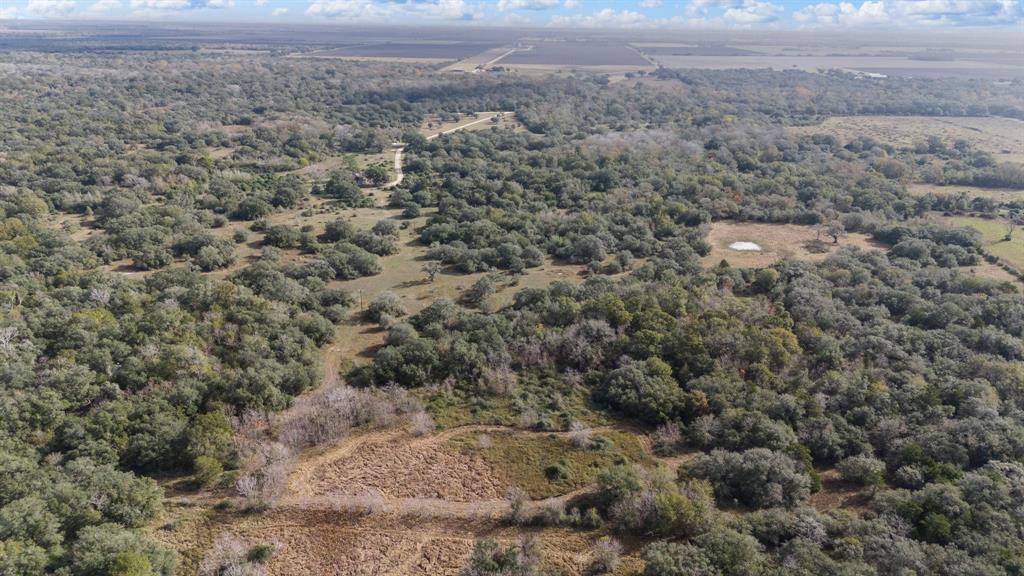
(649,3)
(606,18)
(158,7)
(279,12)
(752,12)
(49,8)
(8,13)
(390,10)
(910,13)
(103,7)
(505,5)
(262,2)
(730,13)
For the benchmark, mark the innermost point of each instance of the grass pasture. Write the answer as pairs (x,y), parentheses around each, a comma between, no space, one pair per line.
(997,194)
(777,241)
(993,232)
(547,465)
(1001,137)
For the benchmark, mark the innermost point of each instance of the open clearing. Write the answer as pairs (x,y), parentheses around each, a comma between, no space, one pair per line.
(777,241)
(997,194)
(1001,137)
(992,232)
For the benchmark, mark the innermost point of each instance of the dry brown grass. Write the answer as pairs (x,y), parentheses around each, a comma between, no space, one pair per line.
(1001,137)
(997,194)
(836,494)
(777,241)
(432,127)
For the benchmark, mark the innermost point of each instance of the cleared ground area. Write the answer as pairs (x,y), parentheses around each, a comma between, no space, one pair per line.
(1001,137)
(731,241)
(997,194)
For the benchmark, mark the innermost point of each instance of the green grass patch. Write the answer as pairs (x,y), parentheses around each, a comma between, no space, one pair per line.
(542,401)
(546,465)
(459,409)
(992,232)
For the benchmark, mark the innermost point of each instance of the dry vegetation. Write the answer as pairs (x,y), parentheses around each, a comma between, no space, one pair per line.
(777,241)
(1001,137)
(997,194)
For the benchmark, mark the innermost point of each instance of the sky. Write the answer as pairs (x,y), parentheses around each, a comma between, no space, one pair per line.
(712,14)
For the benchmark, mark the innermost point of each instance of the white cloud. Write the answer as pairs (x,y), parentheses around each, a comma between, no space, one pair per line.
(843,14)
(752,12)
(262,2)
(649,3)
(49,8)
(606,18)
(390,10)
(279,12)
(731,13)
(161,8)
(160,4)
(504,5)
(900,13)
(8,13)
(571,3)
(102,7)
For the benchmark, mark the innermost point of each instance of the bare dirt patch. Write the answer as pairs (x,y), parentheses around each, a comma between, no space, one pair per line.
(836,494)
(777,241)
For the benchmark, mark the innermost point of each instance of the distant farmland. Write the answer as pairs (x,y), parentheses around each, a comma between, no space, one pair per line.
(680,50)
(575,54)
(411,50)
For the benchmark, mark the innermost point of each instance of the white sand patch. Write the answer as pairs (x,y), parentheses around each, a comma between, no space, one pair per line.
(745,247)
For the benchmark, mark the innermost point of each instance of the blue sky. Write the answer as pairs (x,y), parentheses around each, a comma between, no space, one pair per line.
(768,14)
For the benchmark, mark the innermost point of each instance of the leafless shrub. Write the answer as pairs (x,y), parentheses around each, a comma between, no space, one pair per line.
(573,378)
(100,295)
(484,441)
(367,503)
(666,439)
(532,352)
(607,555)
(402,401)
(264,471)
(228,557)
(551,512)
(583,344)
(329,415)
(422,424)
(7,336)
(528,556)
(263,485)
(517,501)
(580,435)
(702,430)
(528,417)
(499,379)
